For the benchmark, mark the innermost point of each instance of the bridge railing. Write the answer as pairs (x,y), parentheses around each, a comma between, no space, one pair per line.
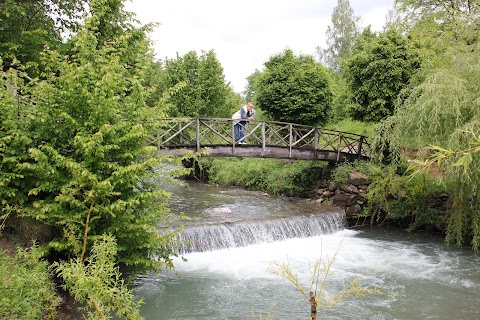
(203,132)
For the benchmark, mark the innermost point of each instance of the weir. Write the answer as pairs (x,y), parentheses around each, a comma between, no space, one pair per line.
(243,233)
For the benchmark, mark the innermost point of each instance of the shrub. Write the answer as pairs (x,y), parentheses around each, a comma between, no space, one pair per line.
(26,286)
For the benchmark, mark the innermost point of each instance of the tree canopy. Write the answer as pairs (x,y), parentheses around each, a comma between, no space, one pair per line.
(440,111)
(73,152)
(378,69)
(340,35)
(205,92)
(294,89)
(27,26)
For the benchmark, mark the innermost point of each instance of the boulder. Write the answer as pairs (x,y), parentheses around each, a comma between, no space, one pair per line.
(344,200)
(356,179)
(353,210)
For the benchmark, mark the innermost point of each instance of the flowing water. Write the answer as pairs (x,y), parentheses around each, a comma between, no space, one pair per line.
(241,233)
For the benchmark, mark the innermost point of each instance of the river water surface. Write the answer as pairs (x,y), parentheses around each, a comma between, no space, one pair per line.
(421,278)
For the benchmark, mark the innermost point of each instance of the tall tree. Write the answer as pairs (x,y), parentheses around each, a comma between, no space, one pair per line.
(76,158)
(442,109)
(206,94)
(341,35)
(379,67)
(294,89)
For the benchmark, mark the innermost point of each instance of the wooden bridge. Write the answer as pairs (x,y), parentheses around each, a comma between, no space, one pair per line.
(265,139)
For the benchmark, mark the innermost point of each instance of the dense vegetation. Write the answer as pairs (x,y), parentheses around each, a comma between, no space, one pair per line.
(81,81)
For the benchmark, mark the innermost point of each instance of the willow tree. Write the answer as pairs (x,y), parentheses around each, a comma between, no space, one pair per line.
(440,113)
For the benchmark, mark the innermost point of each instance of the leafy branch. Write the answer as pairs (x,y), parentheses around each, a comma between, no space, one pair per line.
(439,155)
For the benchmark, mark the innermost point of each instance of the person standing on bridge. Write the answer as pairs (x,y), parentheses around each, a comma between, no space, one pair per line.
(245,113)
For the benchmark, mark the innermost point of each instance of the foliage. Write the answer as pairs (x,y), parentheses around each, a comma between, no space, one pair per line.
(397,198)
(205,94)
(317,296)
(269,175)
(97,282)
(442,110)
(13,144)
(377,70)
(353,126)
(443,11)
(340,35)
(27,26)
(81,164)
(250,87)
(294,89)
(28,291)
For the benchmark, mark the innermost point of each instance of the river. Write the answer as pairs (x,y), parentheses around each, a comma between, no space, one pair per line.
(420,277)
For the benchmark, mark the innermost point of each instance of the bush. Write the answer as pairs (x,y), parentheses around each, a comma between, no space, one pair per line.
(392,197)
(26,286)
(270,175)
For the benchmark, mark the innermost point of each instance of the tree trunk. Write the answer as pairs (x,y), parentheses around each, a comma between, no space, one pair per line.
(313,307)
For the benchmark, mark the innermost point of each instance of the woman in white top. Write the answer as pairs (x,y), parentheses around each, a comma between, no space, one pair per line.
(246,112)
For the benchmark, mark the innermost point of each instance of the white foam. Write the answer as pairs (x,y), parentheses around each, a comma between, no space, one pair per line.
(355,256)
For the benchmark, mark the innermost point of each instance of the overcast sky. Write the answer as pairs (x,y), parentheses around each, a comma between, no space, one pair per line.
(245,34)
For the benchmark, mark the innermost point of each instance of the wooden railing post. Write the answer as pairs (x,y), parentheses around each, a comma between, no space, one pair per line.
(290,142)
(198,135)
(180,137)
(264,142)
(359,148)
(315,144)
(339,146)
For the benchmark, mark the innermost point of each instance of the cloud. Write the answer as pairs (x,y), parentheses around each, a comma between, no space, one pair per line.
(245,34)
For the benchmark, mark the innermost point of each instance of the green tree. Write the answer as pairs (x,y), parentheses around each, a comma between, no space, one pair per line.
(378,69)
(340,35)
(294,89)
(81,164)
(205,93)
(442,110)
(250,88)
(26,26)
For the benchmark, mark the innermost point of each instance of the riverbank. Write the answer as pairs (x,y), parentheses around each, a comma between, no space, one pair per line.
(370,194)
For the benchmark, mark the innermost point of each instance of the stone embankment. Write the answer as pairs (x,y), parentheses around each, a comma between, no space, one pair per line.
(350,196)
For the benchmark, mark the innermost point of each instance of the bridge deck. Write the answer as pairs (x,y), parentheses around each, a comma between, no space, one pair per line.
(267,139)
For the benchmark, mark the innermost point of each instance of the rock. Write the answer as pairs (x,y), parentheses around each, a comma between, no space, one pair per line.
(353,210)
(344,200)
(332,186)
(362,196)
(326,194)
(349,188)
(356,179)
(220,211)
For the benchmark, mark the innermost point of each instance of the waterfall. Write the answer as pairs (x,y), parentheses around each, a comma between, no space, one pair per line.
(243,233)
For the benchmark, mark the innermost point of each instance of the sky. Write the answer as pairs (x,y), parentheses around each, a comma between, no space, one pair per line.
(245,34)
